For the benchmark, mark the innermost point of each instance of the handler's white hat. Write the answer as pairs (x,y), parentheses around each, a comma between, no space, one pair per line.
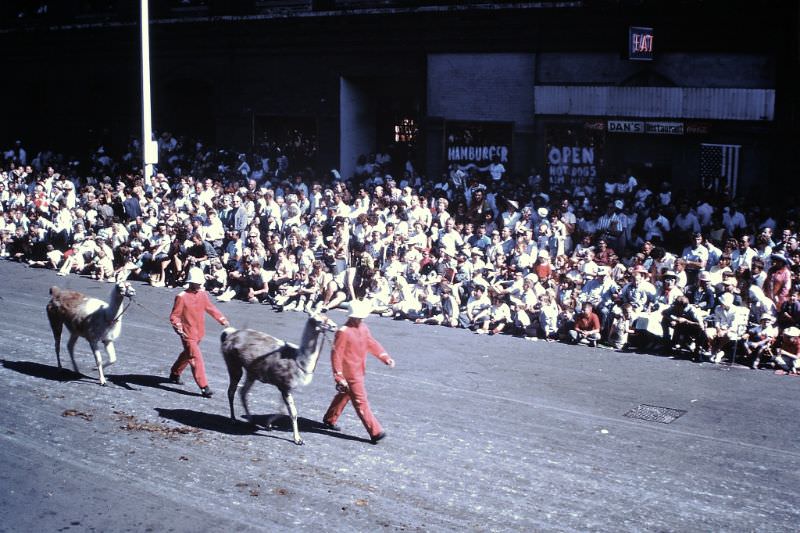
(196,276)
(360,309)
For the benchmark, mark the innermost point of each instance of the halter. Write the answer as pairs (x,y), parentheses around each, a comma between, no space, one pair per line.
(325,332)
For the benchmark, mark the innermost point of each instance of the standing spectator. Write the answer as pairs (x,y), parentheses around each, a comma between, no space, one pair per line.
(187,318)
(779,280)
(348,362)
(696,257)
(733,219)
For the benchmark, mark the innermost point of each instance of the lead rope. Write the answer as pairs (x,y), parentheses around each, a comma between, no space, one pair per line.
(124,309)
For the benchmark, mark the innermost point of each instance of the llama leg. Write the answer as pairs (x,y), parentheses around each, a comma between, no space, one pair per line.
(57,327)
(289,401)
(234,375)
(111,351)
(73,338)
(98,357)
(248,382)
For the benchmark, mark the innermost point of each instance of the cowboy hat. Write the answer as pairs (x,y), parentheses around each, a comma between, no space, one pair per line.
(767,316)
(542,211)
(639,269)
(704,276)
(670,274)
(513,203)
(360,309)
(196,276)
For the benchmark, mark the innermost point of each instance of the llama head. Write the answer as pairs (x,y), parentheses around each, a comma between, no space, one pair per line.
(322,322)
(125,289)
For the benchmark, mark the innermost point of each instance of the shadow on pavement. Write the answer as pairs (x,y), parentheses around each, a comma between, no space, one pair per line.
(38,370)
(207,421)
(146,380)
(223,424)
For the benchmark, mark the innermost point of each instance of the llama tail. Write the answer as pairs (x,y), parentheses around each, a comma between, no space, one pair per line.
(225,332)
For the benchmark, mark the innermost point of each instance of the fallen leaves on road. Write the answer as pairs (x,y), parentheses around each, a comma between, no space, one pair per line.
(132,424)
(361,502)
(254,490)
(79,414)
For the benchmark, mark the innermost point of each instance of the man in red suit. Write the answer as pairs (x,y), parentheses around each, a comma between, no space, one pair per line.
(349,362)
(188,320)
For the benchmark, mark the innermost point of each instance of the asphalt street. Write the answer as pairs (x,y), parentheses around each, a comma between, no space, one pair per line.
(484,434)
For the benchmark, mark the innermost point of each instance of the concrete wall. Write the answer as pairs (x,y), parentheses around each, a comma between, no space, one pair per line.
(357,120)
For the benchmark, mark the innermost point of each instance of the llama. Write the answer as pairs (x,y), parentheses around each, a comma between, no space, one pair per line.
(274,361)
(90,318)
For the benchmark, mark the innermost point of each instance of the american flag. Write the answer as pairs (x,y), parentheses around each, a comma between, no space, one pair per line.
(719,164)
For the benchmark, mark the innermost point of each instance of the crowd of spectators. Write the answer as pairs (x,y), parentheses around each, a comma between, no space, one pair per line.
(620,263)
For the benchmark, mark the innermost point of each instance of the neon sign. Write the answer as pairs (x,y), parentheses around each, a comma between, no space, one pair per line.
(640,43)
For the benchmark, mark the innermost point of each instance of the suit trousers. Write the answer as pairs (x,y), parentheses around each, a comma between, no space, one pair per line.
(358,394)
(191,355)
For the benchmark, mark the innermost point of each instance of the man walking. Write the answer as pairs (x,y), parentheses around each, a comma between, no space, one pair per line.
(348,359)
(189,323)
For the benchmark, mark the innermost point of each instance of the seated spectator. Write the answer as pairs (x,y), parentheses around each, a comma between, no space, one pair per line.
(495,318)
(758,341)
(683,326)
(789,349)
(727,318)
(586,328)
(477,303)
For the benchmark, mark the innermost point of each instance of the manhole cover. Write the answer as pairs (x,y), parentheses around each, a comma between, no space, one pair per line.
(654,413)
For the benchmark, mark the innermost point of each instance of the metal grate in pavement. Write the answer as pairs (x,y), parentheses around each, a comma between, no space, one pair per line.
(654,413)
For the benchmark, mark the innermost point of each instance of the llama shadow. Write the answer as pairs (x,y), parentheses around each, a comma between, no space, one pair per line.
(207,421)
(38,370)
(146,380)
(224,424)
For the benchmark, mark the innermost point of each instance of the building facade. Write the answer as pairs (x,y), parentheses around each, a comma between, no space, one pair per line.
(577,90)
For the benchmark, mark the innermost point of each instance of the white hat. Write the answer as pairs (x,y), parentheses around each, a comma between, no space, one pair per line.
(792,332)
(360,309)
(196,276)
(618,204)
(542,211)
(726,299)
(513,203)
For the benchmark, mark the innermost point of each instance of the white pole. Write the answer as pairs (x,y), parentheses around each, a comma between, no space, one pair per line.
(148,158)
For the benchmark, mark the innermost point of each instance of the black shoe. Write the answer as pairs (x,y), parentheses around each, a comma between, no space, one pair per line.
(176,379)
(332,427)
(377,438)
(206,392)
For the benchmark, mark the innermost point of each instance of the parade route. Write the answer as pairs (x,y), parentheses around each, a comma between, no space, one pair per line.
(484,434)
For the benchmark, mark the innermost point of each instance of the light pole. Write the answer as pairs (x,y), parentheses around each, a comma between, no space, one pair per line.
(149,146)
